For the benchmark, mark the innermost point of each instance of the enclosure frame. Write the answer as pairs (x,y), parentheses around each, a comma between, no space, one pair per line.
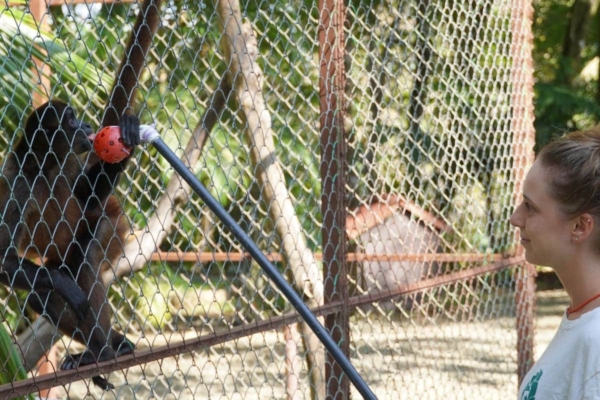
(336,309)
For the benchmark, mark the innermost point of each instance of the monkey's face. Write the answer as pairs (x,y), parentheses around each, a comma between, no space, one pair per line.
(73,133)
(54,127)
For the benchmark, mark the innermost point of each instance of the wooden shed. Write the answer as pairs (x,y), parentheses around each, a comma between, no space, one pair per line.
(393,226)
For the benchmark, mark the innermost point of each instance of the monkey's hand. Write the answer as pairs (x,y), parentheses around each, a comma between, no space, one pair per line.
(102,383)
(85,358)
(122,345)
(130,130)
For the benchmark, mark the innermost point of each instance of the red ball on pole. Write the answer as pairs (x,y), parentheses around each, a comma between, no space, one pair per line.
(109,146)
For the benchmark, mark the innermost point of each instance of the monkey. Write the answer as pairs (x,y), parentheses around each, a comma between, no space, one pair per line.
(121,99)
(56,208)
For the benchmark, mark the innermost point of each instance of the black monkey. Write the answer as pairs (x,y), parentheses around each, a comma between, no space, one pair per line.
(56,209)
(122,97)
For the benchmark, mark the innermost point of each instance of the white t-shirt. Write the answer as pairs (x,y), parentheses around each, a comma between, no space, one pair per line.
(569,369)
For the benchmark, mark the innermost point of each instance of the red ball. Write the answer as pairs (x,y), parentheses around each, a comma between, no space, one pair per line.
(109,146)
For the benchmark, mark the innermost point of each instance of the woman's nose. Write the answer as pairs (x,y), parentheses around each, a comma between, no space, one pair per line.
(515,218)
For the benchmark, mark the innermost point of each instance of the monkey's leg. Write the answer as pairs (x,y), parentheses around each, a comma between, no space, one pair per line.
(95,330)
(110,229)
(54,306)
(102,341)
(25,274)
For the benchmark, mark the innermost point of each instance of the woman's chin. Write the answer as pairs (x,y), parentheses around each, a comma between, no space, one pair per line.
(532,258)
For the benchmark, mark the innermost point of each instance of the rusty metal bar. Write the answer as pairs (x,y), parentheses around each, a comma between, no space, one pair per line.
(333,348)
(205,257)
(58,3)
(60,378)
(523,141)
(333,179)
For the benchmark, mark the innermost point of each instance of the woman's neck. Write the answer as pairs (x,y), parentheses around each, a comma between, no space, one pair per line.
(581,281)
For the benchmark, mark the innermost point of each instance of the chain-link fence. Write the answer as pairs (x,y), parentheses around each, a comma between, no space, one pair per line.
(373,150)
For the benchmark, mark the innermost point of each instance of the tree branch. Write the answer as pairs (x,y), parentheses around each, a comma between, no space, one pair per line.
(240,50)
(140,247)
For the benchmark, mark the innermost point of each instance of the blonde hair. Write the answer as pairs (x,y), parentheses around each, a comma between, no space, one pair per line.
(574,162)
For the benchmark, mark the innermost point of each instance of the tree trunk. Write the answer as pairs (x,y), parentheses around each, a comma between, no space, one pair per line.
(579,22)
(292,362)
(240,50)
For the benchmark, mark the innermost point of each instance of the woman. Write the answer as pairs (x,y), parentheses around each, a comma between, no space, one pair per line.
(559,225)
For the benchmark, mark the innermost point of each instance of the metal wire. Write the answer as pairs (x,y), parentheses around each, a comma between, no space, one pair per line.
(434,116)
(266,265)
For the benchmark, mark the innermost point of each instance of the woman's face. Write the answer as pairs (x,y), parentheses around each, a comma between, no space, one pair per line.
(546,232)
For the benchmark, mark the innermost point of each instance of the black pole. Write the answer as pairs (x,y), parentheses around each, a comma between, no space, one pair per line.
(266,265)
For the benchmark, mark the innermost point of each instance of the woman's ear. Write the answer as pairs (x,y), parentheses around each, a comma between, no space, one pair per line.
(583,228)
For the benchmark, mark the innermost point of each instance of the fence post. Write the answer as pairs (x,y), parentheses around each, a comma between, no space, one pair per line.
(333,205)
(523,141)
(39,9)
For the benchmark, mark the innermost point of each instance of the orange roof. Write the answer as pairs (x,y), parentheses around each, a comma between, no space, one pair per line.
(366,217)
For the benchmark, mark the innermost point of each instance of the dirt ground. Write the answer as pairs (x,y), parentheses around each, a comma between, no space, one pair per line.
(399,359)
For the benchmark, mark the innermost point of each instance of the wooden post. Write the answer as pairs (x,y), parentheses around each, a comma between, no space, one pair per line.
(41,93)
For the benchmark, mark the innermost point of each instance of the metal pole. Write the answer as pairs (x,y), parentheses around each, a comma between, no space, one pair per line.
(333,142)
(266,265)
(522,147)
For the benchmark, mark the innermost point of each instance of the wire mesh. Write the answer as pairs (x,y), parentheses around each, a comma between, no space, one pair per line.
(435,123)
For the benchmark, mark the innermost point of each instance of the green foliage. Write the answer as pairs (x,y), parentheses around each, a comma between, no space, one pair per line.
(20,41)
(549,29)
(11,367)
(163,297)
(559,109)
(560,106)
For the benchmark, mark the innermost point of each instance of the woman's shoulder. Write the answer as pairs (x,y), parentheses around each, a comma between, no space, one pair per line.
(588,328)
